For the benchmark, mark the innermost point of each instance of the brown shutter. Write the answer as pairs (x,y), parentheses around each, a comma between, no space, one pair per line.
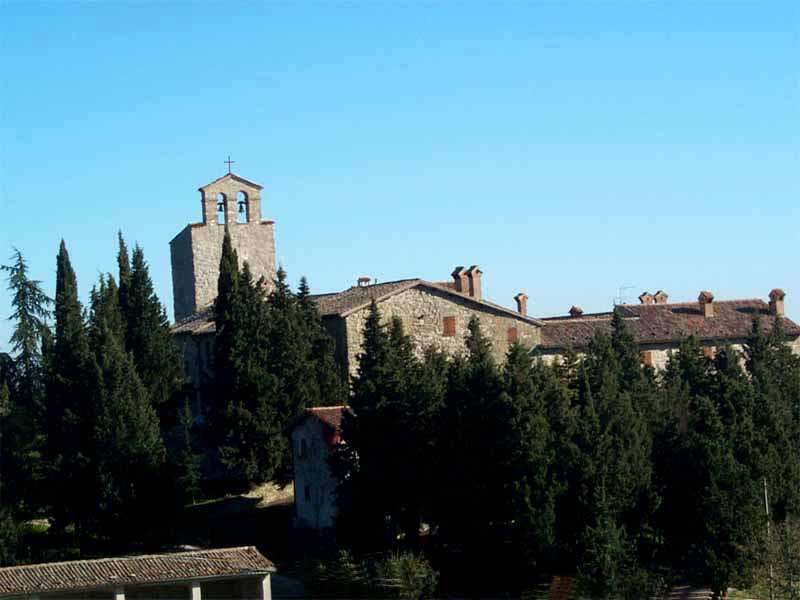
(708,351)
(449,326)
(647,359)
(511,335)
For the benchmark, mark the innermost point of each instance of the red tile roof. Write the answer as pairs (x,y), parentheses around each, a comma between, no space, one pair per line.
(134,570)
(665,324)
(329,415)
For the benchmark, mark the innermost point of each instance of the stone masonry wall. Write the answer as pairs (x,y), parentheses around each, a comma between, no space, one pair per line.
(197,249)
(313,476)
(422,311)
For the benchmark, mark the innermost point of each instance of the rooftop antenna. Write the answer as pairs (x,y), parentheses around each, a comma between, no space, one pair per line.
(622,296)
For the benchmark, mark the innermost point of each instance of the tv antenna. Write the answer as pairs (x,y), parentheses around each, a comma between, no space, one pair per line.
(622,296)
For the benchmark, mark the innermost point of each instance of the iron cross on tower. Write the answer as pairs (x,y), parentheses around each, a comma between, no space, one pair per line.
(229,162)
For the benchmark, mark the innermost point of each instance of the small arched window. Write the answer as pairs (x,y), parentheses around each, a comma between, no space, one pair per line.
(222,209)
(243,208)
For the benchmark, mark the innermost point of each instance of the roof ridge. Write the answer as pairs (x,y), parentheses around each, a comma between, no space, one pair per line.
(128,557)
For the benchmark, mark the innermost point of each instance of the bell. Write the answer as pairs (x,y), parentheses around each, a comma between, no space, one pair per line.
(220,207)
(241,208)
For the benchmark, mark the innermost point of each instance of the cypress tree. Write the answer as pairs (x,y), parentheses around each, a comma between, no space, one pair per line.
(155,352)
(129,452)
(186,461)
(69,412)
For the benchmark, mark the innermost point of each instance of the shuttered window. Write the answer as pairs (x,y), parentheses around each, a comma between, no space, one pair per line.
(511,334)
(647,359)
(449,326)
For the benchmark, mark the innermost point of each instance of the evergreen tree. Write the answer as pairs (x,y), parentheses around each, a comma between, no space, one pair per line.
(186,461)
(534,486)
(31,311)
(156,354)
(124,274)
(69,411)
(331,386)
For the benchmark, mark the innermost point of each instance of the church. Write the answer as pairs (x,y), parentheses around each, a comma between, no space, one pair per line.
(433,313)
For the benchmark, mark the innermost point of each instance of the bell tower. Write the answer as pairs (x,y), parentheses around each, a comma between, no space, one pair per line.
(233,202)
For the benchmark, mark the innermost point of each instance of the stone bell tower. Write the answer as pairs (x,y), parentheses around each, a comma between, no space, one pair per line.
(230,201)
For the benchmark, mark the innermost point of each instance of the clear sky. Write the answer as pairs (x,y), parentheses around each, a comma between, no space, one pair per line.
(568,148)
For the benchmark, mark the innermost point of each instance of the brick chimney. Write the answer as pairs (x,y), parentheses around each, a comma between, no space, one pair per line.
(706,300)
(647,298)
(459,276)
(474,277)
(661,297)
(776,297)
(575,311)
(522,303)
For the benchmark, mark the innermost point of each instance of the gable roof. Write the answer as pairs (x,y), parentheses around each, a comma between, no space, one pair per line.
(133,570)
(352,299)
(235,178)
(355,298)
(665,324)
(330,416)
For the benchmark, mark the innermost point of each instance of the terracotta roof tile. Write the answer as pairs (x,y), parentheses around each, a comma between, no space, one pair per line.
(665,323)
(330,415)
(133,570)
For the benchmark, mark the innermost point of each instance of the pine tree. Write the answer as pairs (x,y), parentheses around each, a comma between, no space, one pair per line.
(69,412)
(156,354)
(31,311)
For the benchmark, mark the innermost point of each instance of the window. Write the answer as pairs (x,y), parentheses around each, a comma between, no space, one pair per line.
(511,335)
(708,351)
(222,209)
(647,359)
(307,493)
(243,208)
(449,326)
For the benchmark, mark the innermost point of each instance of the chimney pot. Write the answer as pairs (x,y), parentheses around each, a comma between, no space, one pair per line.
(474,277)
(647,298)
(776,298)
(661,297)
(522,303)
(575,311)
(363,281)
(459,276)
(706,300)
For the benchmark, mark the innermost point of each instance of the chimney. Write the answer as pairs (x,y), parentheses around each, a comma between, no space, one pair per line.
(647,298)
(522,303)
(661,297)
(575,311)
(363,281)
(474,276)
(776,297)
(706,300)
(459,276)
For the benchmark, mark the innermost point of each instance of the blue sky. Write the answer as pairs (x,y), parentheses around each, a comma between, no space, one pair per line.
(568,148)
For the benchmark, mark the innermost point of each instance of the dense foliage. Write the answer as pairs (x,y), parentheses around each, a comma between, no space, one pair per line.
(593,465)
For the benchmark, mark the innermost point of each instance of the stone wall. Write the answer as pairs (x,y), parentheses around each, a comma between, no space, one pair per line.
(196,251)
(312,476)
(422,311)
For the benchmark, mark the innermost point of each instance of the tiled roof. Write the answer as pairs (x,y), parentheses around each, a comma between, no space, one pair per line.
(134,570)
(665,323)
(197,324)
(330,415)
(352,299)
(357,297)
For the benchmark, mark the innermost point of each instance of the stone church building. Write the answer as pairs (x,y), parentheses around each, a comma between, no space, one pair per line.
(434,313)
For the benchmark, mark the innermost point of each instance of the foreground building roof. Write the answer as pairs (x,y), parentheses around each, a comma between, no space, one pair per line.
(134,570)
(665,324)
